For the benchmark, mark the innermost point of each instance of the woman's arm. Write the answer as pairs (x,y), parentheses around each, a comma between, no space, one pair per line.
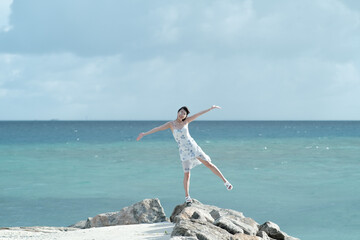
(160,128)
(193,117)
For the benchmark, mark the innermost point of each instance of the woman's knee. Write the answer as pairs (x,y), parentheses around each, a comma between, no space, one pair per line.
(210,165)
(206,163)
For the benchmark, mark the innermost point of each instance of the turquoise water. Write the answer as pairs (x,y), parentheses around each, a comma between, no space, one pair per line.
(302,175)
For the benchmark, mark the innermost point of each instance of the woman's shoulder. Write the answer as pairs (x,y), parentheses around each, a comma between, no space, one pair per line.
(170,124)
(186,122)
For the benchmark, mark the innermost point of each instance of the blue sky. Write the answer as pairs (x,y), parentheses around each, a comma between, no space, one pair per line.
(142,60)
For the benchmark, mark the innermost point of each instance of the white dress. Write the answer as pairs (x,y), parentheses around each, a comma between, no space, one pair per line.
(188,149)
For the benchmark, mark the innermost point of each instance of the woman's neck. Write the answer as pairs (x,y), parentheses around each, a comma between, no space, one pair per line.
(179,120)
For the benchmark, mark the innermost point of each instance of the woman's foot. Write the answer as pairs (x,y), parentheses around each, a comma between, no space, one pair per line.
(188,200)
(228,185)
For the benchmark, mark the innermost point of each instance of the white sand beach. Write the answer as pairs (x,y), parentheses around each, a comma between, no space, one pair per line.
(159,231)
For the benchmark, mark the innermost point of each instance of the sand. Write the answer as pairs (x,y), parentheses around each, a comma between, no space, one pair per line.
(158,231)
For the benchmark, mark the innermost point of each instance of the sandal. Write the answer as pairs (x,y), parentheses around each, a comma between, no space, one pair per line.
(188,200)
(228,186)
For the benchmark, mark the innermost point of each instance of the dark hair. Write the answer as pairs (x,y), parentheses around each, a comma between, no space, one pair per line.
(186,110)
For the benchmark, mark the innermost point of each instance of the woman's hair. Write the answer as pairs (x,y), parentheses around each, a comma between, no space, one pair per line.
(186,110)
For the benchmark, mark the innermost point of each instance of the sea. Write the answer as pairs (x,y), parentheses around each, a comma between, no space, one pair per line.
(302,175)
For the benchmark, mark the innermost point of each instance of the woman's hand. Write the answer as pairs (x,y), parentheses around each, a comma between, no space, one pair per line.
(214,106)
(140,136)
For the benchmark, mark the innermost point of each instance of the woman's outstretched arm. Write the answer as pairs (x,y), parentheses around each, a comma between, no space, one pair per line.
(193,117)
(160,128)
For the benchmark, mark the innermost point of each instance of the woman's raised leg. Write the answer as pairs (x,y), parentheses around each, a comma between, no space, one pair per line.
(213,168)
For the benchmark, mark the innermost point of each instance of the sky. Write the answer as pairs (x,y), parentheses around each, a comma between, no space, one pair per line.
(143,60)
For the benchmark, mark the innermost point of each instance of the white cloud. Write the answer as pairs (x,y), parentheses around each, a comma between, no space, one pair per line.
(295,60)
(169,30)
(5,11)
(328,29)
(66,86)
(226,18)
(284,29)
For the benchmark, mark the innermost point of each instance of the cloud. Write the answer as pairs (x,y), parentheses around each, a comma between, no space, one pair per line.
(5,11)
(141,60)
(66,86)
(139,29)
(169,31)
(80,27)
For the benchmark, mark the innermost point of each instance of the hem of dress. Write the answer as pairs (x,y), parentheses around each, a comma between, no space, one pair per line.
(191,163)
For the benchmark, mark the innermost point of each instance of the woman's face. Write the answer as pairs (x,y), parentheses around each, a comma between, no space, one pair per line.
(182,114)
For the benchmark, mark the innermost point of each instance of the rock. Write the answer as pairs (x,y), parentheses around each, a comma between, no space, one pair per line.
(273,231)
(80,224)
(145,211)
(200,230)
(263,235)
(216,213)
(230,220)
(228,225)
(210,222)
(198,221)
(242,236)
(196,211)
(183,238)
(247,225)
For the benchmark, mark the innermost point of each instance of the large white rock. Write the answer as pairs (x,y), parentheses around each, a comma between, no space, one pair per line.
(230,220)
(145,211)
(210,222)
(200,229)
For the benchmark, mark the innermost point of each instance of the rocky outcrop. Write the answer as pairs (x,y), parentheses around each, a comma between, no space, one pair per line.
(183,238)
(145,211)
(273,231)
(195,222)
(207,222)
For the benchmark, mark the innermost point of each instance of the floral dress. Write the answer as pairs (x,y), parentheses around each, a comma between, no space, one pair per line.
(188,149)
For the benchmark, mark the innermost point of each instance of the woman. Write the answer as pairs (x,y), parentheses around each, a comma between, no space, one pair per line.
(191,154)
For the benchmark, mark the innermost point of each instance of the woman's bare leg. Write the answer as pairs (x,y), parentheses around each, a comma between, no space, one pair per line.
(213,168)
(186,183)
